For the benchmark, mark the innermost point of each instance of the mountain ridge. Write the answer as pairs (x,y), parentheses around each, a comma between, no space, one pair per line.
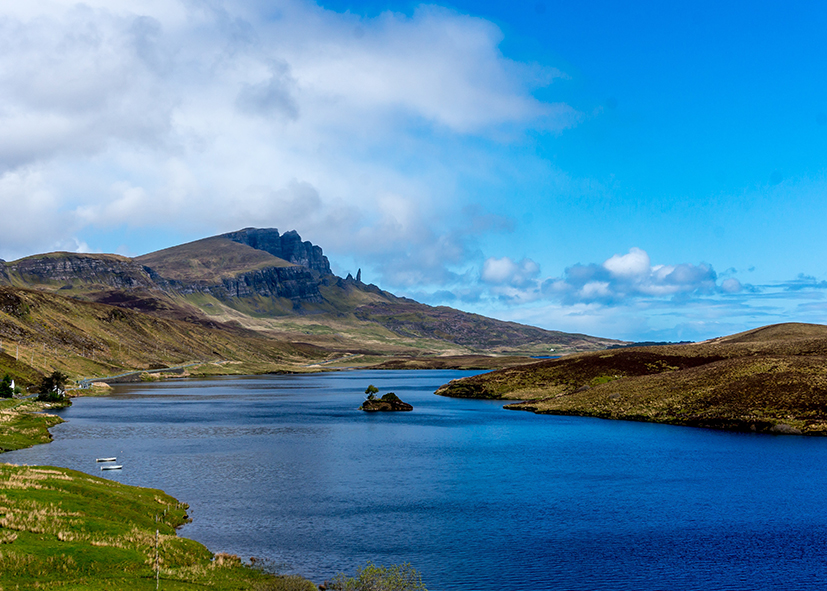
(240,277)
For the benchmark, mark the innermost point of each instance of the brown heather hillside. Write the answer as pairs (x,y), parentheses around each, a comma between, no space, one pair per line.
(209,261)
(41,332)
(770,379)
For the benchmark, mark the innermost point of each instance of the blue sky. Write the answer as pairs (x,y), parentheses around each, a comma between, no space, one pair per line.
(648,171)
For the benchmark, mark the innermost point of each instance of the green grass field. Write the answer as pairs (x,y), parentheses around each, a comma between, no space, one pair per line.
(22,425)
(62,529)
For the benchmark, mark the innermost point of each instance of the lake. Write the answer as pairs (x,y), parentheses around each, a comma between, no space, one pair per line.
(475,497)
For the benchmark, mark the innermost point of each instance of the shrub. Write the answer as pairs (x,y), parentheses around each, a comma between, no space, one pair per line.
(6,390)
(52,387)
(391,397)
(399,577)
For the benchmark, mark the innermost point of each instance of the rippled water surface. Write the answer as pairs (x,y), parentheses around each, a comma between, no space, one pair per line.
(475,497)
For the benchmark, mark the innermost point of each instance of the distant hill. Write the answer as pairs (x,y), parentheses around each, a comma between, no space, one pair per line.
(771,379)
(280,286)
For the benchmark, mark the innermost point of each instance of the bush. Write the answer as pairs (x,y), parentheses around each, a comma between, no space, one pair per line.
(400,577)
(6,390)
(52,388)
(391,397)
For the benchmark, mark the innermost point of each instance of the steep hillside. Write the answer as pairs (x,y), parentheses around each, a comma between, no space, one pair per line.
(280,286)
(76,271)
(41,332)
(208,261)
(769,379)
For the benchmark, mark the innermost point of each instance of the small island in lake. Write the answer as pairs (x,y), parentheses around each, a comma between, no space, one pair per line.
(388,402)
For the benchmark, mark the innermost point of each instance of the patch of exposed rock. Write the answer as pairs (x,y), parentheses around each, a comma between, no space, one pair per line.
(388,402)
(288,246)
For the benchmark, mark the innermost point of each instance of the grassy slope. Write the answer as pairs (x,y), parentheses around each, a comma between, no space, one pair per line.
(209,260)
(47,332)
(23,424)
(472,330)
(455,362)
(355,312)
(769,379)
(64,529)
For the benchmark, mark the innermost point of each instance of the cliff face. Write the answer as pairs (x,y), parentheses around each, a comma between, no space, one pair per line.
(252,277)
(70,268)
(294,283)
(288,246)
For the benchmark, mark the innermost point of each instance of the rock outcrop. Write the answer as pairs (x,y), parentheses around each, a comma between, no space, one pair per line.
(71,268)
(287,246)
(294,283)
(388,402)
(298,282)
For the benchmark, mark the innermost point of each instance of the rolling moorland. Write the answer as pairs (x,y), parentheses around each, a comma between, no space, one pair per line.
(771,379)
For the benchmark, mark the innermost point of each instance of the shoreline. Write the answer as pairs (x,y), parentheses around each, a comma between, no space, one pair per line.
(26,425)
(66,526)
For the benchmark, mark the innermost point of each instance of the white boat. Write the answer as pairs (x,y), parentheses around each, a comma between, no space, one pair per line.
(111,467)
(106,459)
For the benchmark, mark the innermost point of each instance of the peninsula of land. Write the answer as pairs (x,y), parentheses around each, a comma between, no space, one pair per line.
(65,529)
(771,379)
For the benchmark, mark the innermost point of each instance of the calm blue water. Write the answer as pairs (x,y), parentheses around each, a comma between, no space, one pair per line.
(475,497)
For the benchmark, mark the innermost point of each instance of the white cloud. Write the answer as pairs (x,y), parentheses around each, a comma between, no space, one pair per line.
(731,285)
(212,116)
(634,265)
(628,276)
(505,271)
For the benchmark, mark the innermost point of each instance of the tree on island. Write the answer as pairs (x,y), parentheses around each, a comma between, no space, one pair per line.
(388,401)
(53,387)
(6,390)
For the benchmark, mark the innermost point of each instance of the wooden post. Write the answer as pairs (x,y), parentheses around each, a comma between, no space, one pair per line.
(157,563)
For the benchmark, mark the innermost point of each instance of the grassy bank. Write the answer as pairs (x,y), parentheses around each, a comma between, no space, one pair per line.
(62,529)
(19,425)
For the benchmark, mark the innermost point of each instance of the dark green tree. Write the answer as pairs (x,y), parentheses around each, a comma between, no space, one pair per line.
(52,388)
(6,391)
(371,392)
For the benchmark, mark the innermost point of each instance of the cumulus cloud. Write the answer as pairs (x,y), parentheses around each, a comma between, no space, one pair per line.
(217,115)
(631,275)
(505,271)
(619,281)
